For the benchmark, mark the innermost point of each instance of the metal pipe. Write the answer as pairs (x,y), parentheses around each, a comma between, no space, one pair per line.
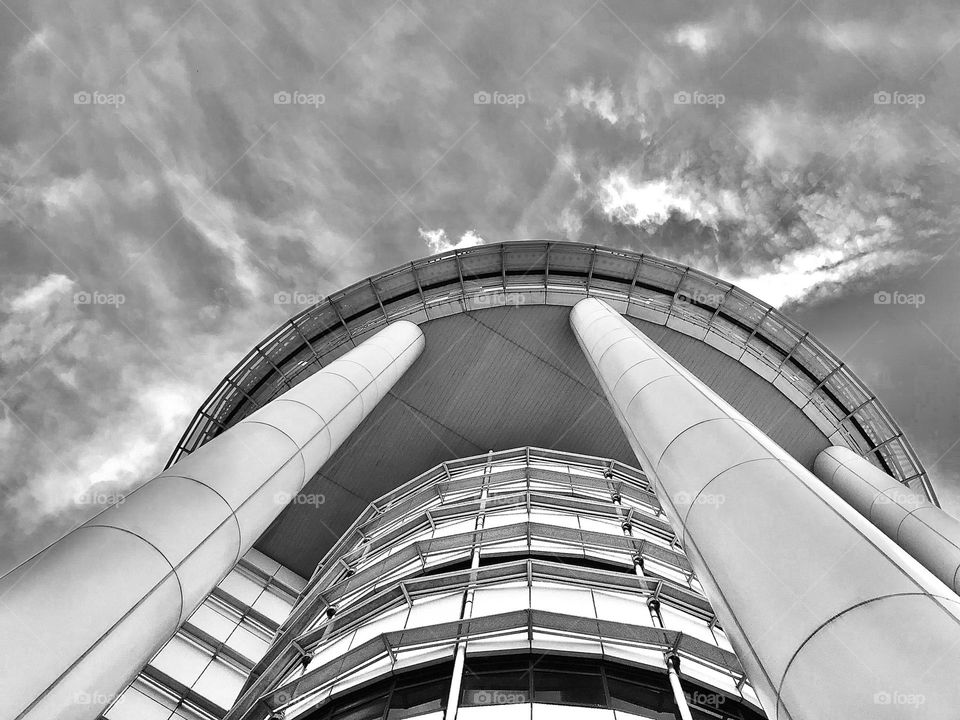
(673,673)
(671,662)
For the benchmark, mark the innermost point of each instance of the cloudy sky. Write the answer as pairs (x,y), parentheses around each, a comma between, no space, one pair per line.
(156,191)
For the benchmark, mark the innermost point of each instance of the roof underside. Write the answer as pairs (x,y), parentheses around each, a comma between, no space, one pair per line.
(495,379)
(501,369)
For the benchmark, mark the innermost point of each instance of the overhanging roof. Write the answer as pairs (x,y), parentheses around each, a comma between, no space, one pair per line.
(502,369)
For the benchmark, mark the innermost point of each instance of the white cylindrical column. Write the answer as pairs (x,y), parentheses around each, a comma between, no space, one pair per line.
(828,616)
(918,526)
(79,619)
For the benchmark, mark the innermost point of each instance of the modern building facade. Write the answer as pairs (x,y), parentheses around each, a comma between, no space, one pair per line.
(536,479)
(534,579)
(199,673)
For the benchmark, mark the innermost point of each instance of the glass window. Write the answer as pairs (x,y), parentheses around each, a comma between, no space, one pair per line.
(501,598)
(275,606)
(559,598)
(248,643)
(220,683)
(414,700)
(565,686)
(135,705)
(622,607)
(242,587)
(370,710)
(435,609)
(532,681)
(675,619)
(641,693)
(290,579)
(603,525)
(212,622)
(495,682)
(182,660)
(259,560)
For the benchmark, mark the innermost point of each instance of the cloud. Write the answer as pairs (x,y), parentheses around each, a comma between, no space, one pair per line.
(698,38)
(904,43)
(39,296)
(599,100)
(437,241)
(200,198)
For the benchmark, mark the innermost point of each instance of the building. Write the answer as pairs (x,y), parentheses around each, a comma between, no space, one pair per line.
(537,479)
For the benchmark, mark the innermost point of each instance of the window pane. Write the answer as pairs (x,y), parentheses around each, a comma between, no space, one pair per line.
(497,688)
(409,702)
(134,705)
(488,681)
(242,587)
(182,660)
(647,699)
(220,683)
(567,688)
(372,710)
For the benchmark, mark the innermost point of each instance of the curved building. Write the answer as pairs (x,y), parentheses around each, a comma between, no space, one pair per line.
(526,480)
(528,579)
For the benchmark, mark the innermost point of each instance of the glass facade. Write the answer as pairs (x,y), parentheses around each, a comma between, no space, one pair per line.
(531,686)
(201,670)
(527,579)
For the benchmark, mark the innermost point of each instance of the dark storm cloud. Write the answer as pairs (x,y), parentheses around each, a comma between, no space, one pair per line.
(198,197)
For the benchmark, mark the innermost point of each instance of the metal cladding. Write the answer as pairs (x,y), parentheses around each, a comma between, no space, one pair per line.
(813,597)
(97,604)
(925,531)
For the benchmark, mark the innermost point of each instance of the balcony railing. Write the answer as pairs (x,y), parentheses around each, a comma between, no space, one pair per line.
(561,273)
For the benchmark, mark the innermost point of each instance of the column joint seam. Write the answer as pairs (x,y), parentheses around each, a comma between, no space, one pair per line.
(833,617)
(160,552)
(691,427)
(233,513)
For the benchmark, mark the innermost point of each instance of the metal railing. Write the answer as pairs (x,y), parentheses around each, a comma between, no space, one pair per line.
(561,273)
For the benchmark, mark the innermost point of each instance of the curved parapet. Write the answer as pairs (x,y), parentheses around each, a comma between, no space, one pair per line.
(535,272)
